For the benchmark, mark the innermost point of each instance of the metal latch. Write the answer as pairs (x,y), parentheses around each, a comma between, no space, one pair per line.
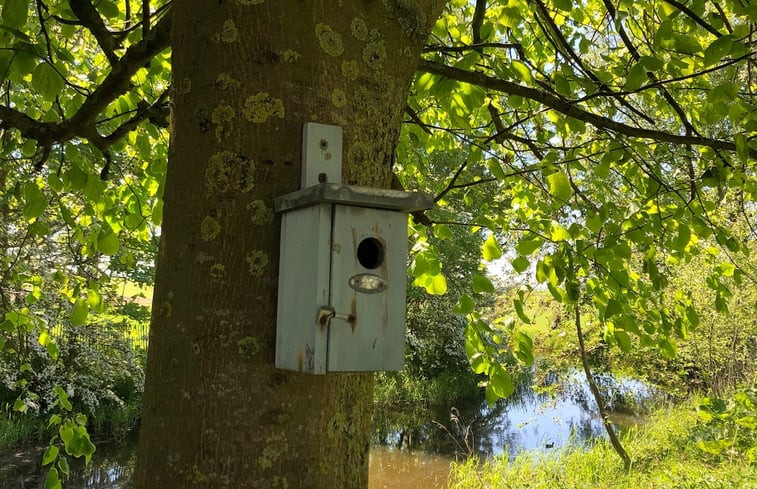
(327,313)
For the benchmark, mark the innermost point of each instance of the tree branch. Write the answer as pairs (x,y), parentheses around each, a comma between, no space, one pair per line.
(569,108)
(156,109)
(471,47)
(562,45)
(686,10)
(115,84)
(478,20)
(416,119)
(504,133)
(451,183)
(90,18)
(723,17)
(118,80)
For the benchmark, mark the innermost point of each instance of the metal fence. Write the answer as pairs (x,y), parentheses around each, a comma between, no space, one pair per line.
(132,333)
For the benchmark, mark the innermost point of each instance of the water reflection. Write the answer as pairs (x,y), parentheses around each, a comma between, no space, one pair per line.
(111,467)
(560,412)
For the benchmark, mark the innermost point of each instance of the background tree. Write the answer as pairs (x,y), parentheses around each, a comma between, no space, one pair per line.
(607,136)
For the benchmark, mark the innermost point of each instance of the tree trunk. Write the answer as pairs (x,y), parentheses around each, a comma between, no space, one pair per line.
(247,75)
(606,422)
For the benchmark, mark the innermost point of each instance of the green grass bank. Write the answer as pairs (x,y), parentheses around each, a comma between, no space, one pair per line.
(665,455)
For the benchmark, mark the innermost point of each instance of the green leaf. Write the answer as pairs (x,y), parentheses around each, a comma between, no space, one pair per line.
(713,447)
(50,455)
(652,63)
(437,286)
(527,246)
(544,271)
(559,186)
(562,85)
(558,232)
(63,466)
(637,75)
(157,212)
(55,182)
(683,238)
(573,291)
(693,317)
(500,382)
(594,223)
(62,398)
(717,50)
(520,264)
(35,202)
(490,249)
(748,422)
(479,363)
(524,73)
(79,312)
(667,347)
(52,350)
(47,81)
(557,293)
(52,481)
(732,244)
(518,305)
(425,263)
(66,432)
(75,178)
(493,165)
(687,44)
(663,38)
(133,221)
(481,284)
(523,348)
(464,306)
(624,341)
(107,243)
(81,444)
(613,307)
(20,406)
(15,13)
(441,231)
(108,9)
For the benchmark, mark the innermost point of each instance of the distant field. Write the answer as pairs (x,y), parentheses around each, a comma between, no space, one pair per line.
(142,295)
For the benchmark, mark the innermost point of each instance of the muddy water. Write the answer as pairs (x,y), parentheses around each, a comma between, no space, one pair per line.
(399,469)
(113,465)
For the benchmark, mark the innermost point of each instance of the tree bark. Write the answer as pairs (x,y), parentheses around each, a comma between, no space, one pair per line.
(247,75)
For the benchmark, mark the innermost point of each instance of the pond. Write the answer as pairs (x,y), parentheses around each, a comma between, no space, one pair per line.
(559,411)
(413,448)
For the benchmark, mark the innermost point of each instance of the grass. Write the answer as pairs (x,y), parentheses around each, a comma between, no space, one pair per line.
(116,422)
(18,429)
(664,454)
(109,422)
(141,294)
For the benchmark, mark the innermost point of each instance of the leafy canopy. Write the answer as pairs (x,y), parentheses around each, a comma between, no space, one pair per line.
(605,142)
